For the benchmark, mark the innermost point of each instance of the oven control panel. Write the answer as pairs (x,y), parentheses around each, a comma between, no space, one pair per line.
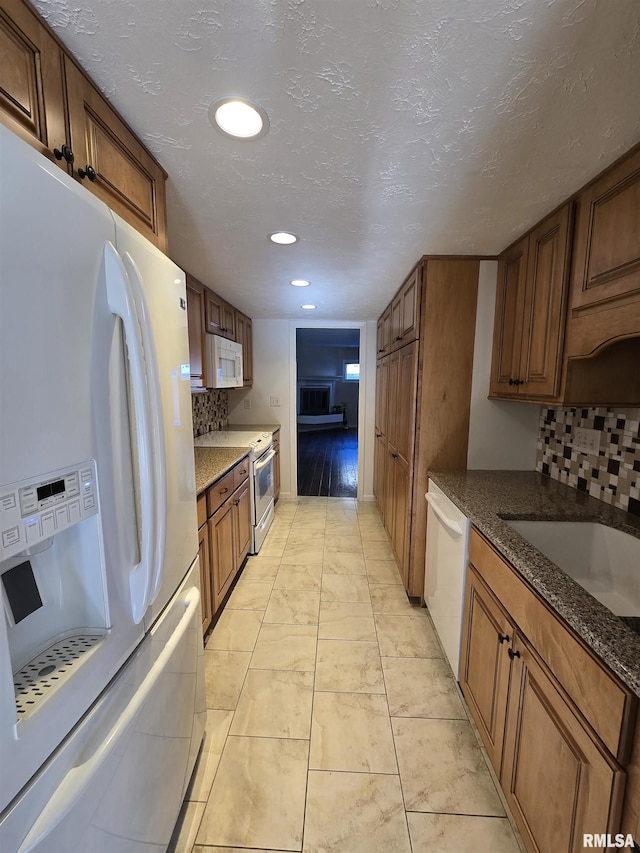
(38,508)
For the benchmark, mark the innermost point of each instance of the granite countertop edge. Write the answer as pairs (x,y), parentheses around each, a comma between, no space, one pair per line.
(488,498)
(212,463)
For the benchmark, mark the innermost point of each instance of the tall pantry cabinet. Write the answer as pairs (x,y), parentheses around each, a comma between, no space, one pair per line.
(423,394)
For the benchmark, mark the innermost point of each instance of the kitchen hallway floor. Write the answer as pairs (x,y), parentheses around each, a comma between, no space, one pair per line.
(334,722)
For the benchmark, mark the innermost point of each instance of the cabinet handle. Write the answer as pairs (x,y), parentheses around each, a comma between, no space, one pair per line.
(398,337)
(503,638)
(64,153)
(224,491)
(516,382)
(394,455)
(513,654)
(87,172)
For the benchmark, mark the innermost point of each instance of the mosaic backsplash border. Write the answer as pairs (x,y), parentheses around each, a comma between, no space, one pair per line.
(613,475)
(210,410)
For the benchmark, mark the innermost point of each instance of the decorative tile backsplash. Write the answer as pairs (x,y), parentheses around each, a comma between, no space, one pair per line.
(210,410)
(613,474)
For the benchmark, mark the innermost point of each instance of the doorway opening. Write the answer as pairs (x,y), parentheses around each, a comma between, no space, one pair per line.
(327,392)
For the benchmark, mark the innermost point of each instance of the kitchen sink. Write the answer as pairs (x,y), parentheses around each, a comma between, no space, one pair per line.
(603,560)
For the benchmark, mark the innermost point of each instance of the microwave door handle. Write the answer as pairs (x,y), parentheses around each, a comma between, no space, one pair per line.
(157,425)
(121,303)
(80,777)
(258,466)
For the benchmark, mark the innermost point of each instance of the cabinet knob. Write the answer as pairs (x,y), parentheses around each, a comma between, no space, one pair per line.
(398,337)
(513,654)
(64,153)
(503,638)
(87,172)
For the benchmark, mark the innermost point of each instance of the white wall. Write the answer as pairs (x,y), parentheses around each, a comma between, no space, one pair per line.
(502,435)
(274,375)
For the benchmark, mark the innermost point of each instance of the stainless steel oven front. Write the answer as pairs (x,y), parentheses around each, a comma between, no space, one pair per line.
(262,492)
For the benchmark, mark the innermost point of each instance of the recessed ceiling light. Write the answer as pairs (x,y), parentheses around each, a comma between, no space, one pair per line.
(308,307)
(284,238)
(300,282)
(238,118)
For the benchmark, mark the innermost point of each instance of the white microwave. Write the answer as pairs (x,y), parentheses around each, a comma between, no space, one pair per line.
(224,362)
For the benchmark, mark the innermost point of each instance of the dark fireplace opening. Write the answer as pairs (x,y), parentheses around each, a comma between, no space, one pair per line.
(314,400)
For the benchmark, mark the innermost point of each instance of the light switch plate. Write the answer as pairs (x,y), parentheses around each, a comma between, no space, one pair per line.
(274,401)
(587,440)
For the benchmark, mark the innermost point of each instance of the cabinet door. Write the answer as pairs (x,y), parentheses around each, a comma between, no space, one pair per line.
(242,508)
(385,332)
(32,97)
(380,447)
(507,329)
(406,402)
(396,320)
(110,160)
(558,780)
(222,547)
(195,323)
(410,314)
(214,312)
(244,336)
(545,302)
(607,241)
(228,329)
(484,663)
(206,592)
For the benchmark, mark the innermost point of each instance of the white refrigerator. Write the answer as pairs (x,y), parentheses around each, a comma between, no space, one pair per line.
(102,700)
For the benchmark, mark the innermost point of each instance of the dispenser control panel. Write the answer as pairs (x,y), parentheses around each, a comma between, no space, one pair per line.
(40,507)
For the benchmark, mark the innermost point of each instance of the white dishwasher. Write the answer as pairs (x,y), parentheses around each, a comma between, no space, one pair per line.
(445,570)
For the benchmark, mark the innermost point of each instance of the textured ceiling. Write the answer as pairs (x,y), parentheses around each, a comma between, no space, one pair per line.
(398,128)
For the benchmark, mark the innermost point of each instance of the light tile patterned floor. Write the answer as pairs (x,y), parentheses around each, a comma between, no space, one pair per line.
(334,722)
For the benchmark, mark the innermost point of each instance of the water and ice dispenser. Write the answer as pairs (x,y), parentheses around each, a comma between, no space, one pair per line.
(53,585)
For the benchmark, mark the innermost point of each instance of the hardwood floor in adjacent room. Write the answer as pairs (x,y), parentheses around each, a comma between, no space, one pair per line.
(328,463)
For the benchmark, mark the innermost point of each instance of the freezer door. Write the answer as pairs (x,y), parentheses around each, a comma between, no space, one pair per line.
(63,403)
(164,332)
(117,784)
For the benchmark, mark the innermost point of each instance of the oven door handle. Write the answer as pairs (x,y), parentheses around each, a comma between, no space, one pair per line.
(264,460)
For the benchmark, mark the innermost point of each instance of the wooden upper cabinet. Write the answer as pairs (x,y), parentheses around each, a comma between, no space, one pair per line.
(195,325)
(383,333)
(48,100)
(530,312)
(220,316)
(405,312)
(32,94)
(111,161)
(244,336)
(605,281)
(507,330)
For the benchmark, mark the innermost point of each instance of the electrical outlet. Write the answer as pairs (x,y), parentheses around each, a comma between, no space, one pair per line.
(274,401)
(247,403)
(587,440)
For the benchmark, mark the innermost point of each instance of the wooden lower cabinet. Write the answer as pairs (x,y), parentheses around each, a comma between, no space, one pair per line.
(559,781)
(484,676)
(206,604)
(556,722)
(224,538)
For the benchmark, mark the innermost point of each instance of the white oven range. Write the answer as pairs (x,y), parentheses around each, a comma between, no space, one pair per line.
(261,457)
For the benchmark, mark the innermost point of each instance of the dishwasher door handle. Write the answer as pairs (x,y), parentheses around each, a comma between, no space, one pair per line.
(435,502)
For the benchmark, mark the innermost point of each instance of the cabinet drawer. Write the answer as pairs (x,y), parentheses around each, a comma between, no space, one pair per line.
(202,509)
(241,472)
(219,492)
(606,705)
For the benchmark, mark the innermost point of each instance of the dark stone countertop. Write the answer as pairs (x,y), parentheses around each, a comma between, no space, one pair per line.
(214,462)
(489,497)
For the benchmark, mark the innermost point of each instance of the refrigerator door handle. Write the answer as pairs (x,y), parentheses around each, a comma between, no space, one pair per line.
(122,303)
(157,424)
(75,783)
